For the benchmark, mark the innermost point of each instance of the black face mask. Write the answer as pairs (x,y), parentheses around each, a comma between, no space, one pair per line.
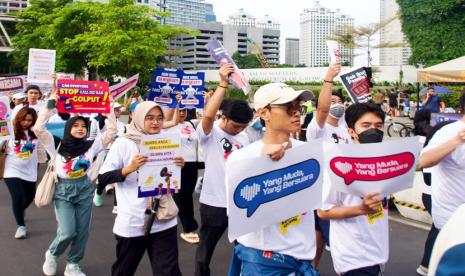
(372,135)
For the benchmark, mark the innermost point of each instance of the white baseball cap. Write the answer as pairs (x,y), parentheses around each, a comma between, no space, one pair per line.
(19,95)
(278,93)
(117,105)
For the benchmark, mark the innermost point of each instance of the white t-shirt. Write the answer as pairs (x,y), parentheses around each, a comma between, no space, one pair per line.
(447,177)
(37,107)
(21,159)
(217,146)
(189,140)
(131,210)
(78,166)
(338,135)
(297,239)
(355,242)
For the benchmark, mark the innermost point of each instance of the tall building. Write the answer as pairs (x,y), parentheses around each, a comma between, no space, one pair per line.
(234,39)
(210,14)
(292,51)
(392,33)
(316,26)
(11,6)
(185,12)
(242,18)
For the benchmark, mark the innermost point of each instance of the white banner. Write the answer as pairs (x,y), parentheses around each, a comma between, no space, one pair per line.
(12,85)
(120,89)
(262,192)
(360,169)
(41,65)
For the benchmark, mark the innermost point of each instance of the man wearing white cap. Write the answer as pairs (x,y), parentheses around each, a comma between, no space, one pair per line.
(272,251)
(18,99)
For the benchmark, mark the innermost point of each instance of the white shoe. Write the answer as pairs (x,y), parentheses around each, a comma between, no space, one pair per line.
(50,265)
(21,232)
(191,237)
(109,189)
(421,270)
(73,270)
(115,210)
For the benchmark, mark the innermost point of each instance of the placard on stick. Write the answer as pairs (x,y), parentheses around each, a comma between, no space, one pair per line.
(77,96)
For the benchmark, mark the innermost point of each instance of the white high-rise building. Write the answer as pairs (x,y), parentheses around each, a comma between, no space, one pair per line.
(242,18)
(317,24)
(392,33)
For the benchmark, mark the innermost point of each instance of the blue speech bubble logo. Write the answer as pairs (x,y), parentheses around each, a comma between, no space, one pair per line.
(257,190)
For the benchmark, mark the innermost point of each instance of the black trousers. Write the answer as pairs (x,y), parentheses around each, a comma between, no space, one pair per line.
(184,197)
(374,270)
(162,248)
(432,235)
(22,194)
(214,223)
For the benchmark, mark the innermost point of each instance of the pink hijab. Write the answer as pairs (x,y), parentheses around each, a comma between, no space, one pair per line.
(135,129)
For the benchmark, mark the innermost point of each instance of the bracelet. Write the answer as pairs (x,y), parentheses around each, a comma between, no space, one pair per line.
(225,87)
(327,81)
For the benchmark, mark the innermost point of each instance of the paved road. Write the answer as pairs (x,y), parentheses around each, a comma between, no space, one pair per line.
(25,257)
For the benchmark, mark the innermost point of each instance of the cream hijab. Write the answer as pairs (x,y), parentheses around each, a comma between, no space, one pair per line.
(135,129)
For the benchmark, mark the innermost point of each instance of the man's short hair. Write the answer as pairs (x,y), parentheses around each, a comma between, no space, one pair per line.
(237,110)
(356,111)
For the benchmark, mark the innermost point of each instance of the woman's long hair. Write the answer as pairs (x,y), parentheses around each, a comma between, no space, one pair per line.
(20,116)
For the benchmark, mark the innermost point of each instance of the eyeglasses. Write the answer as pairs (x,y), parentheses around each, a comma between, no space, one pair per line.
(291,108)
(154,119)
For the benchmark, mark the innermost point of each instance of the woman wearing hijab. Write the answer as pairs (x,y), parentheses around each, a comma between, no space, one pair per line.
(21,156)
(73,191)
(121,166)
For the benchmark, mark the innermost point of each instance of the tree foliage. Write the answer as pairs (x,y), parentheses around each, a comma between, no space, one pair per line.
(435,29)
(246,61)
(117,38)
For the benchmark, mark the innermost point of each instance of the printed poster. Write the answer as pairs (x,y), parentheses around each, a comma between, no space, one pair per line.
(357,85)
(193,90)
(41,65)
(334,51)
(262,192)
(165,87)
(78,96)
(6,129)
(120,89)
(221,56)
(360,169)
(160,172)
(12,85)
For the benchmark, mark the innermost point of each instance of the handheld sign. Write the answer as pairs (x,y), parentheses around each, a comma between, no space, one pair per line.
(77,96)
(165,87)
(160,172)
(360,169)
(262,192)
(357,85)
(193,90)
(120,89)
(41,65)
(221,56)
(334,51)
(12,85)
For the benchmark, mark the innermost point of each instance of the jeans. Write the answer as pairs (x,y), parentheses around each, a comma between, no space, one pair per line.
(73,210)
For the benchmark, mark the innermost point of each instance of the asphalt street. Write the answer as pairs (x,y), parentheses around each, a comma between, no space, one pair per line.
(25,257)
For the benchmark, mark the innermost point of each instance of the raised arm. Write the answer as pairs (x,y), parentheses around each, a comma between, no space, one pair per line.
(109,135)
(324,99)
(215,101)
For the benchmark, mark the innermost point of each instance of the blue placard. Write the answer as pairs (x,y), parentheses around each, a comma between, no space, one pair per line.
(165,87)
(193,90)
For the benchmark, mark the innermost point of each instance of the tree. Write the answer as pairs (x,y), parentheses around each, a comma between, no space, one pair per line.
(118,38)
(435,29)
(246,61)
(362,37)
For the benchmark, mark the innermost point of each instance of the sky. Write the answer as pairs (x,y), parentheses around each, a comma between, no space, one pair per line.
(287,14)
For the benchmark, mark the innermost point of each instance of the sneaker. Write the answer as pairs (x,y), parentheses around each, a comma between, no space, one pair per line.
(421,270)
(109,189)
(73,270)
(50,265)
(191,237)
(198,185)
(115,210)
(327,248)
(98,199)
(20,232)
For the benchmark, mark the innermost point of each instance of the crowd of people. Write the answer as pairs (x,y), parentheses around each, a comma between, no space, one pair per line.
(100,149)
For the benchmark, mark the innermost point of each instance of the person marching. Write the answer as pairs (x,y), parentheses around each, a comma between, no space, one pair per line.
(121,167)
(271,251)
(73,191)
(21,161)
(218,140)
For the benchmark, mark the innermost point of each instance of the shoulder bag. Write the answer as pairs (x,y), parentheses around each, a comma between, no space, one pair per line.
(46,188)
